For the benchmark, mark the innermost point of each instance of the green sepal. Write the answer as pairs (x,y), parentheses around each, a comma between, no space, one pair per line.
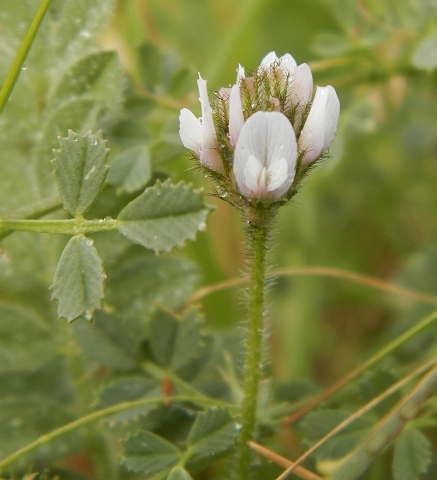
(80,169)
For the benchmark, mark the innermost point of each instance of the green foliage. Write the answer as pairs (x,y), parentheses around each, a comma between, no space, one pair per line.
(425,56)
(149,454)
(80,170)
(164,216)
(318,424)
(78,281)
(176,343)
(131,170)
(25,342)
(213,433)
(369,208)
(412,454)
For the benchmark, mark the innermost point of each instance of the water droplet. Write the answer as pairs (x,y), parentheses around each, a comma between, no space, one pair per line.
(16,422)
(237,427)
(24,66)
(85,33)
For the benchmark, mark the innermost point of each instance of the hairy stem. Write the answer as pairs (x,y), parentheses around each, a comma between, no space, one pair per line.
(259,220)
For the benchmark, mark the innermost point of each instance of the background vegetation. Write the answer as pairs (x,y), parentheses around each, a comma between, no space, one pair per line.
(371,209)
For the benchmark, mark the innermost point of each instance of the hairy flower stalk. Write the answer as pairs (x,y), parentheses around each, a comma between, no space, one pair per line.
(256,141)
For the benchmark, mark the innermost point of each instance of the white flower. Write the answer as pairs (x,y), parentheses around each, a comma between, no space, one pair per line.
(321,124)
(265,156)
(199,134)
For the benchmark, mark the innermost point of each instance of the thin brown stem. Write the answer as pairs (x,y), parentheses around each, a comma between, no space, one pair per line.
(322,271)
(283,462)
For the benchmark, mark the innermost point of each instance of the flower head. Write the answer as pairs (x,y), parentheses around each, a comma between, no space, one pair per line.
(257,133)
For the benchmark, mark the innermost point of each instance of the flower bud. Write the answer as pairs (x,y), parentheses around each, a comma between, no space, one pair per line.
(199,135)
(321,125)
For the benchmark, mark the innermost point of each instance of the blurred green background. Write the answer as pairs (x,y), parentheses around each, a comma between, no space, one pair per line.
(370,208)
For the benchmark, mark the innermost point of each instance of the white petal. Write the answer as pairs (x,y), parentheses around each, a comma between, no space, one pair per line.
(277,173)
(270,139)
(252,173)
(236,117)
(301,90)
(332,112)
(321,124)
(190,131)
(209,154)
(288,63)
(302,86)
(268,61)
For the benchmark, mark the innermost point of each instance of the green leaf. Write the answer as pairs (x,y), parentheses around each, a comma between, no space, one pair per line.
(164,216)
(131,170)
(25,343)
(73,24)
(147,453)
(175,342)
(23,419)
(179,473)
(164,328)
(93,75)
(78,280)
(78,114)
(108,341)
(318,424)
(412,454)
(128,389)
(80,170)
(213,433)
(425,54)
(144,280)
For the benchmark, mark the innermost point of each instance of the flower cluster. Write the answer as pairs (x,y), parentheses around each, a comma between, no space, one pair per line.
(265,128)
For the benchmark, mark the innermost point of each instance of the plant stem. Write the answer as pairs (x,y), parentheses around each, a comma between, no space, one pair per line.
(21,55)
(259,219)
(67,227)
(45,439)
